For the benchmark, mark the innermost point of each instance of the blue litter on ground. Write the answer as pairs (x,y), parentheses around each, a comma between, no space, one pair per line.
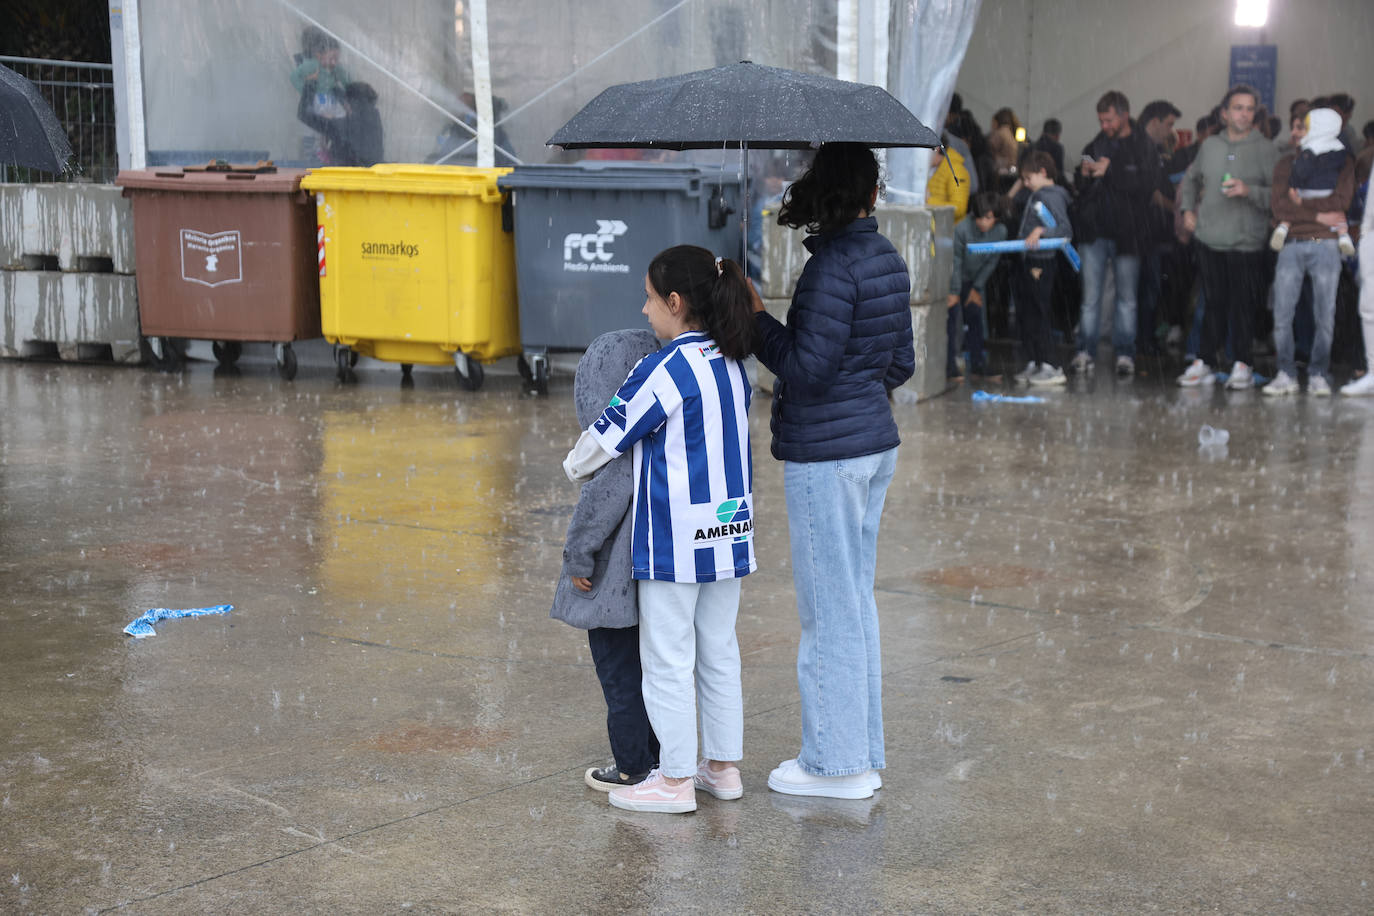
(981,395)
(143,626)
(1260,380)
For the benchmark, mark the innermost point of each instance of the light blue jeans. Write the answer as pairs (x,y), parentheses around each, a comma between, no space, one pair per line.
(833,512)
(1095,255)
(1320,260)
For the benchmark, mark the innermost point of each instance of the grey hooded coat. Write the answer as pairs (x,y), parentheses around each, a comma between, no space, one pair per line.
(598,542)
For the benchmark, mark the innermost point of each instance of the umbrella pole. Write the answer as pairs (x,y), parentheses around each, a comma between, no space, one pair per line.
(748,205)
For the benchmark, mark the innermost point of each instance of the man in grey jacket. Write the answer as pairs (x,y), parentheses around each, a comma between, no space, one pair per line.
(1225,202)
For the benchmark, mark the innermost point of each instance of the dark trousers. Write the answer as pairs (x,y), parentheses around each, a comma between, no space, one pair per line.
(1033,306)
(968,317)
(1149,291)
(1234,283)
(616,655)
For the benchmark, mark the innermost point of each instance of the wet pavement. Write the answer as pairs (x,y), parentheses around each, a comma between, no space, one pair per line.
(1121,675)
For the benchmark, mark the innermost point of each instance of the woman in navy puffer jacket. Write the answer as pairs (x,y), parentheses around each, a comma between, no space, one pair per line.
(846,345)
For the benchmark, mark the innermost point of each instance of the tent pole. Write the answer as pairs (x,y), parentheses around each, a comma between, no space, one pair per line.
(481,84)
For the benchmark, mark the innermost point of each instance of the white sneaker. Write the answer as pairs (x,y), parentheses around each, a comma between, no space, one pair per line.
(1048,375)
(1318,386)
(1241,377)
(1279,237)
(1023,377)
(1125,365)
(875,779)
(1346,246)
(790,779)
(1280,385)
(1197,373)
(1081,364)
(1360,387)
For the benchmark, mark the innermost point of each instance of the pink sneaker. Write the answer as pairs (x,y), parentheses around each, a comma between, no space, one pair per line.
(655,794)
(724,783)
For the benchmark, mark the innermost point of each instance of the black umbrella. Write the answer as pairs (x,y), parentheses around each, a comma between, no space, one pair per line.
(30,134)
(739,106)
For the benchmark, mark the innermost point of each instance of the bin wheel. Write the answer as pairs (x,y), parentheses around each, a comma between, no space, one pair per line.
(345,359)
(470,380)
(540,383)
(166,354)
(286,362)
(227,352)
(523,365)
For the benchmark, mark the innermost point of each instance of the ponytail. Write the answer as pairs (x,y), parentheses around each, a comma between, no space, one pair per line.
(715,291)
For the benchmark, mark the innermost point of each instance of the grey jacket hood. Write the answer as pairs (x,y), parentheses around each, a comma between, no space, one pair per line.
(604,367)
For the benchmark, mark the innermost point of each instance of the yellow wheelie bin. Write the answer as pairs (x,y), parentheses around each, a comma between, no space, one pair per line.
(417,265)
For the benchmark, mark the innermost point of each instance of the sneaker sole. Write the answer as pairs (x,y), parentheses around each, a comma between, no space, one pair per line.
(652,807)
(598,785)
(722,794)
(822,791)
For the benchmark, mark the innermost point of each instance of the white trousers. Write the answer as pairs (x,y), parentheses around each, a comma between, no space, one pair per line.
(690,659)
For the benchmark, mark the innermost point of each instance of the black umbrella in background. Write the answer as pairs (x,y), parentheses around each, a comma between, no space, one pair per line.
(30,134)
(739,106)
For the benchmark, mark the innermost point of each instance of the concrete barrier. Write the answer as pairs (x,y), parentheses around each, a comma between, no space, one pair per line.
(924,237)
(66,266)
(69,311)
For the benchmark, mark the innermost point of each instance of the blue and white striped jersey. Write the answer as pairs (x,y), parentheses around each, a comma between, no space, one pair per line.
(685,411)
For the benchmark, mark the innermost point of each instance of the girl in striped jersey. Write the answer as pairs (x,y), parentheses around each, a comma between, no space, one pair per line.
(684,410)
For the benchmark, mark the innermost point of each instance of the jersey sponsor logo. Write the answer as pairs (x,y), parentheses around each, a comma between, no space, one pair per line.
(710,352)
(736,523)
(614,413)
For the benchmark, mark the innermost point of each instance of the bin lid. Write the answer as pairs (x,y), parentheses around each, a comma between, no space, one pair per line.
(175,178)
(600,175)
(408,178)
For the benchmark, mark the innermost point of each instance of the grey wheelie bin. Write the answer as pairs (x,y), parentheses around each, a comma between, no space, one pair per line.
(584,236)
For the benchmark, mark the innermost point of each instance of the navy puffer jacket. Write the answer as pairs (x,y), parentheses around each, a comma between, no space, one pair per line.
(846,344)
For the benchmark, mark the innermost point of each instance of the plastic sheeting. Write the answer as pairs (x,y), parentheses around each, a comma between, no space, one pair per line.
(218,76)
(929,38)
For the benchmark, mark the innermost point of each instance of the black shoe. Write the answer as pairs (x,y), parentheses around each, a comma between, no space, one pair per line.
(604,779)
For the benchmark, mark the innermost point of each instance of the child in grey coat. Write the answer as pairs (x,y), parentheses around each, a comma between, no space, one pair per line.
(595,592)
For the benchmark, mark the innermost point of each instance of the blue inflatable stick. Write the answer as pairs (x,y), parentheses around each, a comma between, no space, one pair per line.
(1016,246)
(143,626)
(987,397)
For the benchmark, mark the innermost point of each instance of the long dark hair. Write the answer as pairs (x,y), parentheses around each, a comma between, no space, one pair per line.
(714,291)
(835,188)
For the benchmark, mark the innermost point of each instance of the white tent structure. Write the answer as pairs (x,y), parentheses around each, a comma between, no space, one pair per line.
(473,82)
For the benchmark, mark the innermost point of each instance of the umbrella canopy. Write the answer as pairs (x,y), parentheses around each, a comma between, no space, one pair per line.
(744,104)
(30,134)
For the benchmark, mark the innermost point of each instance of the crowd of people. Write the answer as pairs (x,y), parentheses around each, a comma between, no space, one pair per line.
(1217,242)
